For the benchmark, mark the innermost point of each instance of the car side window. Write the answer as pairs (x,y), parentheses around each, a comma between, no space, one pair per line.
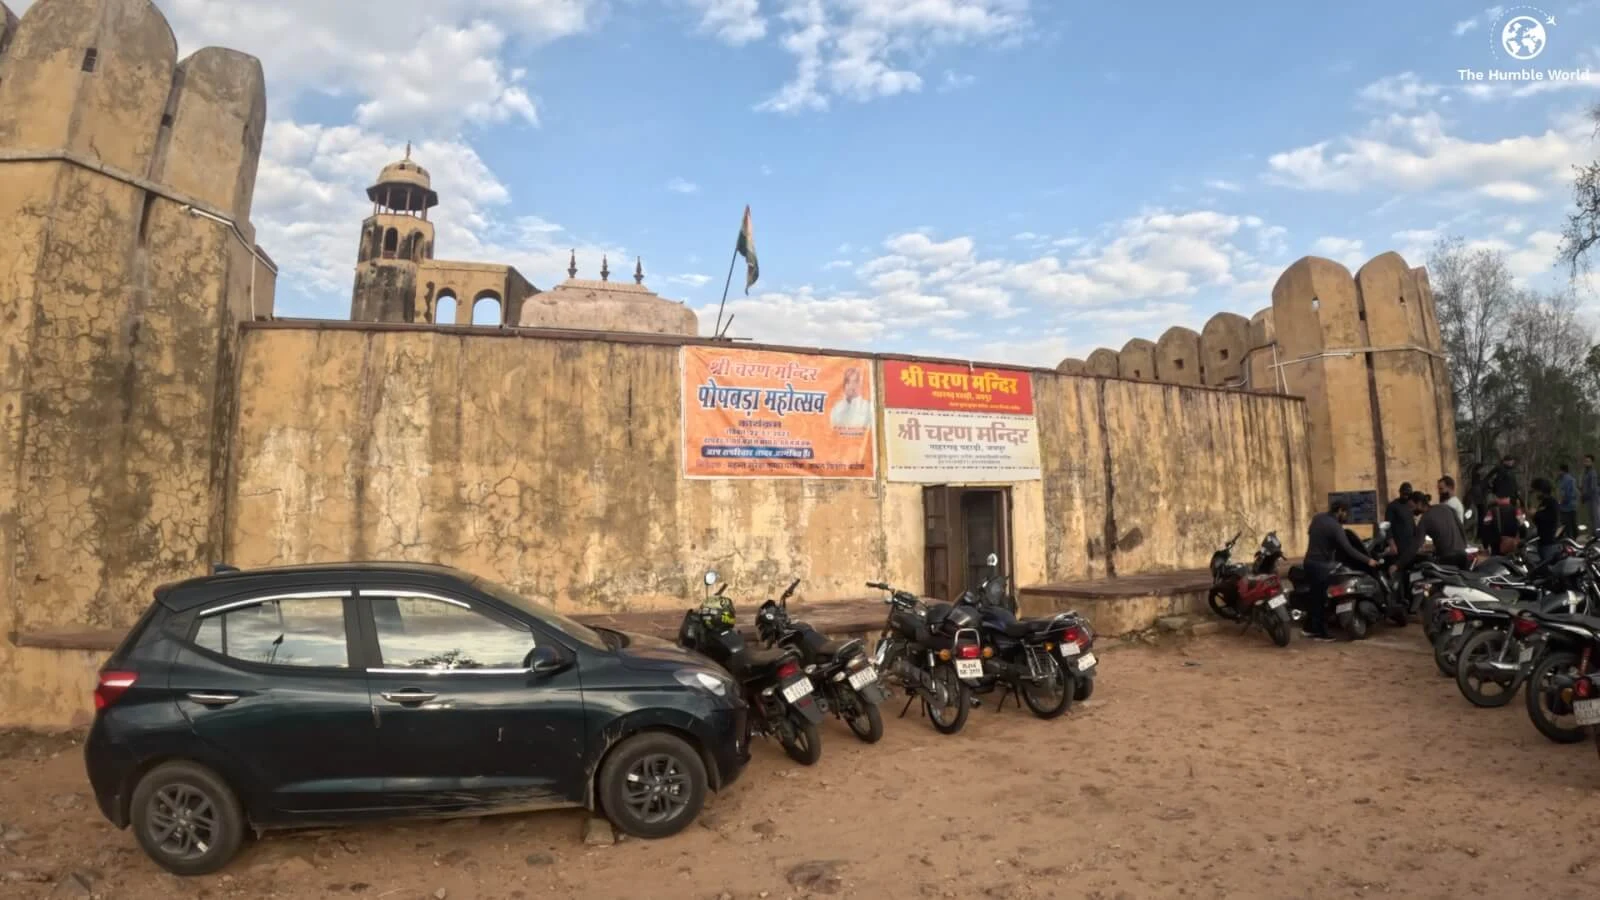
(289,631)
(428,633)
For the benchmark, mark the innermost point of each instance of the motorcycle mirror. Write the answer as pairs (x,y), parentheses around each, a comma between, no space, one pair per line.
(720,589)
(993,560)
(711,578)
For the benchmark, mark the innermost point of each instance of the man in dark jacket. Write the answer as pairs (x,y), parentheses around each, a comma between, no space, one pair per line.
(1326,546)
(1449,541)
(1504,482)
(1401,516)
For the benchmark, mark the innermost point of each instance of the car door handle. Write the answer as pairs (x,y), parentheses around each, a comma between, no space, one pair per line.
(408,696)
(205,699)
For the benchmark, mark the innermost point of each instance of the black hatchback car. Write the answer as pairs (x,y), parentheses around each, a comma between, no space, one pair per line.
(246,701)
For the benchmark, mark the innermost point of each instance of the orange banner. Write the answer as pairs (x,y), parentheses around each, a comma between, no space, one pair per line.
(761,414)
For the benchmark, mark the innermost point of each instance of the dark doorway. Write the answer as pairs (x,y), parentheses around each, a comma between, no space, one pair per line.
(964,526)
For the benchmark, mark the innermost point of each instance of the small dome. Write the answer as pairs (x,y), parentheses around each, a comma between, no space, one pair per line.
(405,186)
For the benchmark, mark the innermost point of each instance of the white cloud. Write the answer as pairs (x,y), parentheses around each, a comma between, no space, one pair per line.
(427,66)
(1218,184)
(1404,91)
(734,21)
(1416,154)
(1487,17)
(1513,191)
(682,186)
(1344,250)
(955,81)
(690,280)
(859,49)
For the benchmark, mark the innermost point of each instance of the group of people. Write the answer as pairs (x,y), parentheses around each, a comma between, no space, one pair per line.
(1494,505)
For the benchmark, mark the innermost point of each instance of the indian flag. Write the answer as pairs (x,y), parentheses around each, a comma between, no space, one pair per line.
(747,248)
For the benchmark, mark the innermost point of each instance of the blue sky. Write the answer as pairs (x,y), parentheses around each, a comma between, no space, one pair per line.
(1013,180)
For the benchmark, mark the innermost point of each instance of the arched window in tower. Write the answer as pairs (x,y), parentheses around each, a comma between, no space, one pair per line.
(486,309)
(364,250)
(418,247)
(444,308)
(391,240)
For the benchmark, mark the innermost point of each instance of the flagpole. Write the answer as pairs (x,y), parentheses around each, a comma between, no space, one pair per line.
(716,332)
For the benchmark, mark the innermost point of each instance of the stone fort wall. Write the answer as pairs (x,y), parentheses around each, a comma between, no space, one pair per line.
(1363,349)
(126,177)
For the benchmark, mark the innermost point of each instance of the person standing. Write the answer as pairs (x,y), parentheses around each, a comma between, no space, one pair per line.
(1503,481)
(1443,526)
(1326,545)
(1589,492)
(1567,497)
(1402,519)
(1448,498)
(1546,518)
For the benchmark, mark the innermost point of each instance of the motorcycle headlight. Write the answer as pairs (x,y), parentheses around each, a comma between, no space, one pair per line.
(699,679)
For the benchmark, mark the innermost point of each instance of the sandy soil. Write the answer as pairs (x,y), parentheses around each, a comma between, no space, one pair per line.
(1198,770)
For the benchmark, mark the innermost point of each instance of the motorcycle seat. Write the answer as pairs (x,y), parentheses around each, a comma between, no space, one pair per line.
(757,661)
(832,649)
(1297,573)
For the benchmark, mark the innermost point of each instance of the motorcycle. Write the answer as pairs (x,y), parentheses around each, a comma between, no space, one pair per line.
(780,695)
(1494,661)
(1356,598)
(841,671)
(1464,603)
(934,652)
(1563,682)
(1020,656)
(1251,594)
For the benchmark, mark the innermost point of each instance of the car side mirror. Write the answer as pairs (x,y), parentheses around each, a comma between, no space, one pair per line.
(545,660)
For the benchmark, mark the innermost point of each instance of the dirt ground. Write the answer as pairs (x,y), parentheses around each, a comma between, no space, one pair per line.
(1201,768)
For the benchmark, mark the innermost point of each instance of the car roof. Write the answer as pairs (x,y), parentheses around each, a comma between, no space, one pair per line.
(182,595)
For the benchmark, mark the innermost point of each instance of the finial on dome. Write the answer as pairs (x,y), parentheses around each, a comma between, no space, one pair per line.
(605,269)
(638,271)
(572,265)
(408,149)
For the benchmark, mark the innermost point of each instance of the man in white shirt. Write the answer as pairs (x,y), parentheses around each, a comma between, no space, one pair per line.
(1447,496)
(854,411)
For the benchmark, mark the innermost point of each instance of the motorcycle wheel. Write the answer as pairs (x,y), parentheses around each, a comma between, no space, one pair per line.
(958,698)
(1219,605)
(1399,615)
(1484,646)
(1368,612)
(1544,718)
(1059,700)
(864,720)
(1277,627)
(1445,647)
(800,740)
(1353,624)
(1084,688)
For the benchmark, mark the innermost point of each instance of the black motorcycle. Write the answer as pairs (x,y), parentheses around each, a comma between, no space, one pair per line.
(843,674)
(1563,698)
(1040,661)
(1356,597)
(780,695)
(933,651)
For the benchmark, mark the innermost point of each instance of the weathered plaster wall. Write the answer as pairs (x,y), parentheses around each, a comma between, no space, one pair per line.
(1137,360)
(1224,345)
(552,464)
(118,329)
(1178,356)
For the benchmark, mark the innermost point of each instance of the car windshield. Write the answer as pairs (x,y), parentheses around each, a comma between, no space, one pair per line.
(569,627)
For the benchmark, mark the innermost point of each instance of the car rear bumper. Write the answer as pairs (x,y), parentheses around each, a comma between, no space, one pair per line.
(108,767)
(728,746)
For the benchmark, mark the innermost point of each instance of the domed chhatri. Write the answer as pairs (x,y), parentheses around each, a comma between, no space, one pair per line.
(399,280)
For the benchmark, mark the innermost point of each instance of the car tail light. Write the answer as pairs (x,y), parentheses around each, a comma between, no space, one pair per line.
(111,687)
(1456,615)
(1525,627)
(789,669)
(970,651)
(1072,636)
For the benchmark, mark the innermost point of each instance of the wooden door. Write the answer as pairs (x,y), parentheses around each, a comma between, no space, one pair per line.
(941,507)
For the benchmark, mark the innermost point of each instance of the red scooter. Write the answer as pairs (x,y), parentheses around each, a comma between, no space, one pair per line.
(1251,594)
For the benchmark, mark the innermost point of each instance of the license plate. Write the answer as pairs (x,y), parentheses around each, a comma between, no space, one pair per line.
(1343,608)
(1071,649)
(1526,655)
(861,679)
(1587,712)
(1276,602)
(799,689)
(1457,629)
(969,668)
(1085,662)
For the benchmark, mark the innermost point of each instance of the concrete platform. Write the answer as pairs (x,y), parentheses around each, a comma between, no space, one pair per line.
(1119,605)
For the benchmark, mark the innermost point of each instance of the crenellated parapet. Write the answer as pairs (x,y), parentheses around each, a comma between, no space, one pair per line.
(1364,350)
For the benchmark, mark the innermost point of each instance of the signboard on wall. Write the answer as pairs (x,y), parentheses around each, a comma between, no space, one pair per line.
(951,423)
(1363,505)
(763,414)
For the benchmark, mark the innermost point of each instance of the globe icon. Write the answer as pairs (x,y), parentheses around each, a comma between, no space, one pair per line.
(1523,37)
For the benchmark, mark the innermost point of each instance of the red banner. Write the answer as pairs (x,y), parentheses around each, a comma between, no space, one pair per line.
(916,385)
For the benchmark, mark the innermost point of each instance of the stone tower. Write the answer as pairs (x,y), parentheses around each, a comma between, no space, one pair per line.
(128,260)
(395,239)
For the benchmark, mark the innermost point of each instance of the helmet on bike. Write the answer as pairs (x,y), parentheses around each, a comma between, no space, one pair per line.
(717,613)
